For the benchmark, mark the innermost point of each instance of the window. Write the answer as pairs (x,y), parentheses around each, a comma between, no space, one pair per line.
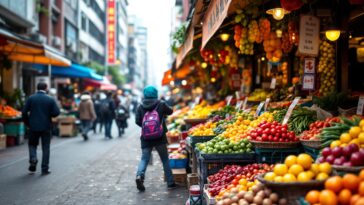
(83,21)
(95,32)
(95,56)
(97,9)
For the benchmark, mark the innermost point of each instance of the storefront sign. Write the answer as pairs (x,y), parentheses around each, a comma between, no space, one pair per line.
(186,47)
(215,15)
(290,109)
(111,31)
(308,82)
(359,110)
(228,100)
(260,107)
(309,65)
(309,35)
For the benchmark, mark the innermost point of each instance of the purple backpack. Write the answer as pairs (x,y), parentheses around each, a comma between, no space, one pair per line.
(152,126)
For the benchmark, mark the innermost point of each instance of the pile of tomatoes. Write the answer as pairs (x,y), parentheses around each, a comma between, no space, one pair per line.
(272,132)
(316,127)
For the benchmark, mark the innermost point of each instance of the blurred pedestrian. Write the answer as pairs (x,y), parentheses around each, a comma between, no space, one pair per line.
(87,114)
(150,116)
(37,115)
(97,107)
(107,110)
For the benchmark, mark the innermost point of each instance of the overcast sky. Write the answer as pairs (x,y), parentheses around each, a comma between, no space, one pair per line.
(156,16)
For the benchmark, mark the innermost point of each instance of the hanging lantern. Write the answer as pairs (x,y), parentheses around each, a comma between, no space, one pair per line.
(277,13)
(332,35)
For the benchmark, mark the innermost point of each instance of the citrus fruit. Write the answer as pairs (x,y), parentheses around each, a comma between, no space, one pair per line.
(310,174)
(345,138)
(328,197)
(361,137)
(360,201)
(290,160)
(315,168)
(278,179)
(344,196)
(361,189)
(280,169)
(334,184)
(243,181)
(354,199)
(351,182)
(361,123)
(325,168)
(295,169)
(303,177)
(355,141)
(313,197)
(269,176)
(361,175)
(354,131)
(335,143)
(322,176)
(304,160)
(289,178)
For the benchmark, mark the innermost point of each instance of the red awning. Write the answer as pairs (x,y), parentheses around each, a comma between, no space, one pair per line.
(103,85)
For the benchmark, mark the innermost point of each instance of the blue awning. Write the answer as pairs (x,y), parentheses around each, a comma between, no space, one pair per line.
(74,71)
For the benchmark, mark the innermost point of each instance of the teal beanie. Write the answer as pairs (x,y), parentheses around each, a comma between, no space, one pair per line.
(150,92)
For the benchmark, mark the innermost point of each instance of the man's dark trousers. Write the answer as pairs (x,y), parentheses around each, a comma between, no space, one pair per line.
(45,137)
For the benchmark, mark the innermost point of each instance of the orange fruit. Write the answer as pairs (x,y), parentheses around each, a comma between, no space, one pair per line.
(295,169)
(360,201)
(304,160)
(344,197)
(278,179)
(328,197)
(351,182)
(345,138)
(361,123)
(303,177)
(322,176)
(325,167)
(335,143)
(354,199)
(269,176)
(334,184)
(290,160)
(315,168)
(313,197)
(361,137)
(361,188)
(361,175)
(280,169)
(354,131)
(289,178)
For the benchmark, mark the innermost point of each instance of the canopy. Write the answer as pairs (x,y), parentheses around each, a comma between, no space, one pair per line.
(167,78)
(18,49)
(74,71)
(103,85)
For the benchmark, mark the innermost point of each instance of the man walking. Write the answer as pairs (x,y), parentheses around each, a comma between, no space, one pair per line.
(37,115)
(87,114)
(107,110)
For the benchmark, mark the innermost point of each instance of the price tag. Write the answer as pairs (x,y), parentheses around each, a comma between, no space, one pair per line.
(266,104)
(245,102)
(238,105)
(237,95)
(273,83)
(359,110)
(228,99)
(290,109)
(260,107)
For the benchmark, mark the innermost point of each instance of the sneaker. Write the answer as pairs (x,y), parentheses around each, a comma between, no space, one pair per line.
(140,183)
(45,172)
(85,137)
(172,186)
(32,166)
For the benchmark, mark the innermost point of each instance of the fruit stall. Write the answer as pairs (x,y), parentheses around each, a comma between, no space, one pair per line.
(279,115)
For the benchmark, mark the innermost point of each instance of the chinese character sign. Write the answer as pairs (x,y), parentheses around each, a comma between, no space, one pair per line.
(111,23)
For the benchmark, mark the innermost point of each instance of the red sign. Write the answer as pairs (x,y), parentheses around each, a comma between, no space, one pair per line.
(111,31)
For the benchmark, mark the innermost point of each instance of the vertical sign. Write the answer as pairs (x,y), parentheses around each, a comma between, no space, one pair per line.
(359,110)
(290,109)
(309,35)
(308,82)
(111,31)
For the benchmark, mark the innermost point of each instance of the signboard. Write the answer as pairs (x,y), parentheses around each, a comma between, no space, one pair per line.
(290,109)
(238,105)
(186,47)
(309,35)
(245,102)
(260,107)
(111,31)
(308,82)
(228,100)
(309,66)
(266,104)
(359,110)
(215,15)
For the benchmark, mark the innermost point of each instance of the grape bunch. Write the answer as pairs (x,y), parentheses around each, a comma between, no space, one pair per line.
(326,68)
(253,31)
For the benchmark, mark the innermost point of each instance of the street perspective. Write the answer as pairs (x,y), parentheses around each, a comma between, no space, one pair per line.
(181,102)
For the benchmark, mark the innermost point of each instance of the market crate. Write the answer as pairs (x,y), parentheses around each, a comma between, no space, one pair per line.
(192,158)
(183,135)
(193,140)
(208,198)
(313,152)
(2,141)
(192,179)
(178,163)
(180,176)
(66,129)
(14,128)
(272,156)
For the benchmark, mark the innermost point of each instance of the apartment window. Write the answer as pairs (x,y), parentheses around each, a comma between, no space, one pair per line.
(95,56)
(97,9)
(94,31)
(83,21)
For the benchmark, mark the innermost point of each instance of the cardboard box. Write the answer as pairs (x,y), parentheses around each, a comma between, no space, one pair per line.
(2,141)
(192,179)
(66,130)
(180,176)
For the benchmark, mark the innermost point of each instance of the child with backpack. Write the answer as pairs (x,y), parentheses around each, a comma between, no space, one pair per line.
(150,116)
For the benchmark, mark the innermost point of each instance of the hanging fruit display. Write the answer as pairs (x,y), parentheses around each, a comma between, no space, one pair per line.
(326,68)
(287,45)
(264,28)
(272,47)
(242,41)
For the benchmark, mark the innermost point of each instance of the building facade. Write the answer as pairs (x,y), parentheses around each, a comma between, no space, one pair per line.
(122,36)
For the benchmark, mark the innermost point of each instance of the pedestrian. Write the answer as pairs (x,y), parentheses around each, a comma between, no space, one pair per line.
(107,110)
(37,115)
(150,116)
(87,114)
(97,107)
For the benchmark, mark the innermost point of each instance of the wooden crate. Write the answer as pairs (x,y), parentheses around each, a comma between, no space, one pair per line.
(192,179)
(2,141)
(180,176)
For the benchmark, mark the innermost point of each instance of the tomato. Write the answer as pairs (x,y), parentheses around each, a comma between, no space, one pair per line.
(283,129)
(284,135)
(275,139)
(272,130)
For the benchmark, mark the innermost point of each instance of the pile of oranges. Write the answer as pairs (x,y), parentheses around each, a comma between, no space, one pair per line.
(346,190)
(205,129)
(355,135)
(298,169)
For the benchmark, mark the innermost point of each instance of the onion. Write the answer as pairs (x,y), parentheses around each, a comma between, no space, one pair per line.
(267,202)
(258,199)
(243,202)
(249,197)
(227,201)
(255,189)
(261,194)
(235,199)
(273,197)
(241,194)
(267,192)
(283,201)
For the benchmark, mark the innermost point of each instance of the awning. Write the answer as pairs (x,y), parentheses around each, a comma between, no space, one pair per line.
(103,85)
(73,71)
(186,47)
(22,50)
(182,72)
(167,78)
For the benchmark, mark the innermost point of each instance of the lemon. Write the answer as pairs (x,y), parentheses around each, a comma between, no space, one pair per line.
(355,131)
(361,136)
(278,179)
(295,169)
(322,176)
(345,138)
(361,124)
(304,160)
(280,169)
(303,177)
(289,178)
(290,160)
(310,174)
(335,143)
(325,168)
(315,168)
(269,176)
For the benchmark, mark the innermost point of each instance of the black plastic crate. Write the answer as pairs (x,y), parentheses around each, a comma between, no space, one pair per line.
(192,141)
(272,156)
(313,152)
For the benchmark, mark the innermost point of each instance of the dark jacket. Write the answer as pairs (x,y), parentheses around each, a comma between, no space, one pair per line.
(163,110)
(110,113)
(39,110)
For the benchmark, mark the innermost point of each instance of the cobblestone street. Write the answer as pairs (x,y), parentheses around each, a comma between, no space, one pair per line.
(98,171)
